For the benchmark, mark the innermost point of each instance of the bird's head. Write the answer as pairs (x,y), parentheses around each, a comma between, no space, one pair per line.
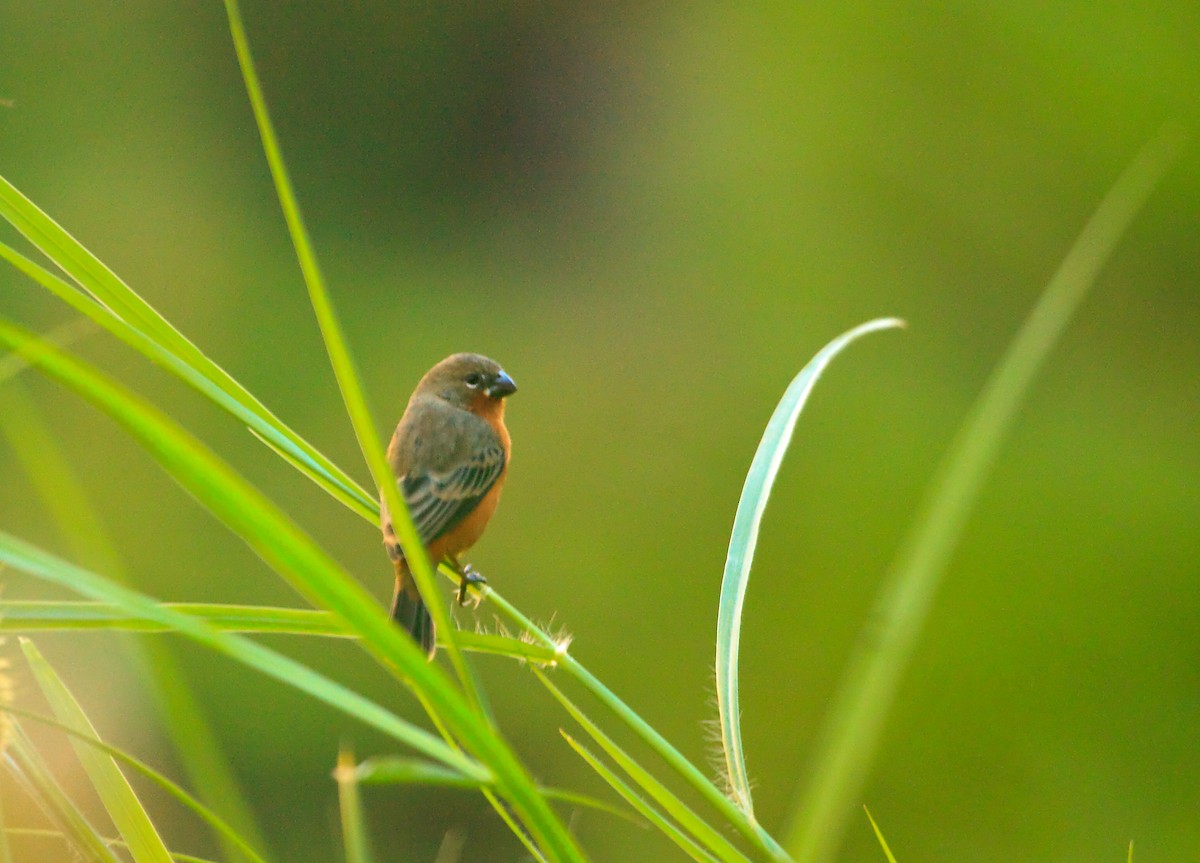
(468,381)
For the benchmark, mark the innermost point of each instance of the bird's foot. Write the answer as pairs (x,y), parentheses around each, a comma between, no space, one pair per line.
(469,575)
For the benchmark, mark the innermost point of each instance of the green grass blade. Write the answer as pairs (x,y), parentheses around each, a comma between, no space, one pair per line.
(687,818)
(349,498)
(685,842)
(213,383)
(112,843)
(294,555)
(29,559)
(61,616)
(502,645)
(85,268)
(126,811)
(344,368)
(221,827)
(855,721)
(80,526)
(123,302)
(395,770)
(879,836)
(27,767)
(64,616)
(586,801)
(63,336)
(354,827)
(691,774)
(751,505)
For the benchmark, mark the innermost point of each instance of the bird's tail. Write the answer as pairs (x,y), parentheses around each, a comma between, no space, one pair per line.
(409,611)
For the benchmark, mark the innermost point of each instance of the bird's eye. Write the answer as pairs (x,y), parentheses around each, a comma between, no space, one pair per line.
(473,380)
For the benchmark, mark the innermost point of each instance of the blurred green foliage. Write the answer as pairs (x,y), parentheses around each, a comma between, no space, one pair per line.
(653,215)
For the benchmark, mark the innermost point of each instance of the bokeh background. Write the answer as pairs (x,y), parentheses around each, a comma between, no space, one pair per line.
(653,214)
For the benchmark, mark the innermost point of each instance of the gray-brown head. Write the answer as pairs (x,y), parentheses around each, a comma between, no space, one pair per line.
(468,381)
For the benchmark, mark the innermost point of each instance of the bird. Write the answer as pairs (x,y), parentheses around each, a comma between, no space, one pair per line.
(450,455)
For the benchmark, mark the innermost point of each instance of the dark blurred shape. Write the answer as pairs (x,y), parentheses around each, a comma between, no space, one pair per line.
(458,109)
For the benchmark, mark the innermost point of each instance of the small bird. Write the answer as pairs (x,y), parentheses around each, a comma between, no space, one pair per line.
(450,455)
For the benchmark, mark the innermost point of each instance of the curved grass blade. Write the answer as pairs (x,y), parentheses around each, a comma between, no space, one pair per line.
(36,562)
(80,526)
(387,770)
(122,301)
(689,772)
(122,804)
(27,767)
(63,336)
(210,381)
(347,499)
(664,825)
(687,818)
(284,546)
(751,505)
(349,381)
(868,687)
(219,825)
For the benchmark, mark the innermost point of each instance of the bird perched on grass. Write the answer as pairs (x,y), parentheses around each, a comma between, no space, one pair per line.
(450,455)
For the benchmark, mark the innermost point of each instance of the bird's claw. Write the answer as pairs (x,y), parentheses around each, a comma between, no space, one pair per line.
(469,575)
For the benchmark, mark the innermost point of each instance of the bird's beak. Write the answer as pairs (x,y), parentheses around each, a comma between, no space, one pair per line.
(502,386)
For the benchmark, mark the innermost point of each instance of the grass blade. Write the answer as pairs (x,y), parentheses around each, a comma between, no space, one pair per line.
(751,505)
(685,842)
(354,828)
(704,833)
(545,827)
(38,563)
(80,526)
(112,843)
(222,828)
(124,808)
(210,381)
(60,616)
(346,496)
(502,645)
(855,721)
(344,368)
(31,772)
(86,269)
(691,774)
(125,304)
(63,335)
(879,835)
(393,770)
(282,544)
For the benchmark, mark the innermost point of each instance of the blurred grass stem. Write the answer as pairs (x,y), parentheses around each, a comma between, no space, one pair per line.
(885,645)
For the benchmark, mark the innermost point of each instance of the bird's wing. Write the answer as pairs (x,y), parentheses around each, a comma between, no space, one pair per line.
(439,501)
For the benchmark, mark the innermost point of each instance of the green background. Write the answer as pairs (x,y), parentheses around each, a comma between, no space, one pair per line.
(652,215)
